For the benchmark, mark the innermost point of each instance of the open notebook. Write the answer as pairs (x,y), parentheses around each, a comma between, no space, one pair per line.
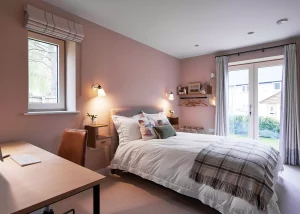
(25,159)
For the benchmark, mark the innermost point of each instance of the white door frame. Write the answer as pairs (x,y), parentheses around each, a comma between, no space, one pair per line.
(253,131)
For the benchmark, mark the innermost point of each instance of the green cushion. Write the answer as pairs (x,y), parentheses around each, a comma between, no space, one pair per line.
(165,131)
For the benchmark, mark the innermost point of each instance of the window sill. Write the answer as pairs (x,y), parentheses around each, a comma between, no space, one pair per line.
(50,112)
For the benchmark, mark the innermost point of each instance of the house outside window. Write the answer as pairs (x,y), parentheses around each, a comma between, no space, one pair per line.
(277,85)
(245,88)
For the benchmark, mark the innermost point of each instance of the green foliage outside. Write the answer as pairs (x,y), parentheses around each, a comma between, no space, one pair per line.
(268,127)
(42,59)
(268,123)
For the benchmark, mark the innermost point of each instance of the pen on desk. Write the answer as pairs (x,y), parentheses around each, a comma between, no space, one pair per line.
(5,156)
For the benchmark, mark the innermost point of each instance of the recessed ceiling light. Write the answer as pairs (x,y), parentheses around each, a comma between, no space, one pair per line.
(250,33)
(196,45)
(282,21)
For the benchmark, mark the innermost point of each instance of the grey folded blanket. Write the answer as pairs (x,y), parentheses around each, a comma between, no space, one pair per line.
(242,169)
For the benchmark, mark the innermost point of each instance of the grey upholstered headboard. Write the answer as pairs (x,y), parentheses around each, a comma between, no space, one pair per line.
(127,112)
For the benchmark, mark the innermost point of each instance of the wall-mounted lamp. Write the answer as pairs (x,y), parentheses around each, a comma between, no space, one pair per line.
(212,76)
(171,96)
(212,101)
(101,92)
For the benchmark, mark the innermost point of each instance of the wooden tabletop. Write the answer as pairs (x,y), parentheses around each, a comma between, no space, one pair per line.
(97,125)
(26,189)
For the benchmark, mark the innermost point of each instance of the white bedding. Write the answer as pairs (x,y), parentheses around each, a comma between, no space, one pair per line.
(168,162)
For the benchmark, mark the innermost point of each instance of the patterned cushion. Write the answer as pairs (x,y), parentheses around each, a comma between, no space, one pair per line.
(159,119)
(146,128)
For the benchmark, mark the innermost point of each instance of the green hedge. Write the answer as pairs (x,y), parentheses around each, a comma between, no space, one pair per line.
(268,127)
(238,124)
(268,123)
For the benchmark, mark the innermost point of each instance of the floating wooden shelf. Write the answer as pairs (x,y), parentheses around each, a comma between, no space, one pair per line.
(93,135)
(194,96)
(98,125)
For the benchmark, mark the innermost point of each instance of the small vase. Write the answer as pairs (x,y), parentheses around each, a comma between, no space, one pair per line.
(93,122)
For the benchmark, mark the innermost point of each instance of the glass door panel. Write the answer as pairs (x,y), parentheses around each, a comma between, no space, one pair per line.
(269,79)
(239,105)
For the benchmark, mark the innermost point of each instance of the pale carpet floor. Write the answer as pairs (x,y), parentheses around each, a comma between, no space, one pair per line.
(130,194)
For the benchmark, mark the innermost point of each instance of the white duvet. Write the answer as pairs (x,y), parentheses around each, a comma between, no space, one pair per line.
(168,161)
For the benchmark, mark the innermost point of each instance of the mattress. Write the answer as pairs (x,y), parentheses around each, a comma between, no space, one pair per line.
(168,161)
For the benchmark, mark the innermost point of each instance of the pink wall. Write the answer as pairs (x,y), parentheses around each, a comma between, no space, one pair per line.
(198,69)
(131,73)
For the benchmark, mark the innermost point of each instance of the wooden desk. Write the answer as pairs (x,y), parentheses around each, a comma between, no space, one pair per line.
(27,189)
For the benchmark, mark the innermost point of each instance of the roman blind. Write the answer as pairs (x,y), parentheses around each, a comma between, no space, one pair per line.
(42,22)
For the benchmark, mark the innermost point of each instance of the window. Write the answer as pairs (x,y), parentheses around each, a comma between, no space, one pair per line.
(245,88)
(277,86)
(46,73)
(258,103)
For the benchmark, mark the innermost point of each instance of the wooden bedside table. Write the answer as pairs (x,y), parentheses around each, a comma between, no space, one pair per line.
(174,122)
(93,136)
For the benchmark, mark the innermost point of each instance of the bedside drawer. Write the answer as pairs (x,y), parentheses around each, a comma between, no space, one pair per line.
(173,120)
(103,141)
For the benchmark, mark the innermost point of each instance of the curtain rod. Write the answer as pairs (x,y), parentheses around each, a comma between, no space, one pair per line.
(260,49)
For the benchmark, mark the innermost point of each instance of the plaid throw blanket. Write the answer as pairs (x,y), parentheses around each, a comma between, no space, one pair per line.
(242,169)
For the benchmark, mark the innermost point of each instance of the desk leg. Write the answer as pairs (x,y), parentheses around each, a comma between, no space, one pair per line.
(96,196)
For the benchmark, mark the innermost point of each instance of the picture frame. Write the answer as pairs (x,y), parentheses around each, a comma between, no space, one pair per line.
(179,89)
(194,88)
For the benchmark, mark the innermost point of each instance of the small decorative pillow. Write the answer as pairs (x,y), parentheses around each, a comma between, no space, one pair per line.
(159,119)
(165,131)
(146,129)
(127,128)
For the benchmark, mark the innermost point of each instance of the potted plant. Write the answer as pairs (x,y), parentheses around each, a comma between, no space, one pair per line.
(92,117)
(171,113)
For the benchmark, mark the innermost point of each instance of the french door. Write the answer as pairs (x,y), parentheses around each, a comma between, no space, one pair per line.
(254,101)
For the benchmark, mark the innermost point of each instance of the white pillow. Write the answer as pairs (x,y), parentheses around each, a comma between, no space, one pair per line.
(140,116)
(159,119)
(127,127)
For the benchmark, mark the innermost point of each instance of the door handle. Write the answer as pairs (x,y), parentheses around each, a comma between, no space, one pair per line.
(250,110)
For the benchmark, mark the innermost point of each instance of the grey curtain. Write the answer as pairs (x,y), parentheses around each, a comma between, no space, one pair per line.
(290,127)
(221,119)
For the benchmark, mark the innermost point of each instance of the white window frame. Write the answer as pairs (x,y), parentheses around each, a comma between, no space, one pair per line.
(61,105)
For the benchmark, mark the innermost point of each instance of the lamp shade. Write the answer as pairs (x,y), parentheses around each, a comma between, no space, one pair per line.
(101,92)
(171,96)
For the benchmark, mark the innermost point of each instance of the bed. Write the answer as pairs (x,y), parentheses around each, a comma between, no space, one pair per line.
(168,161)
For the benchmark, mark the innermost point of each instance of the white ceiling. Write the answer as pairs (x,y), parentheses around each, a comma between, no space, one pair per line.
(175,26)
